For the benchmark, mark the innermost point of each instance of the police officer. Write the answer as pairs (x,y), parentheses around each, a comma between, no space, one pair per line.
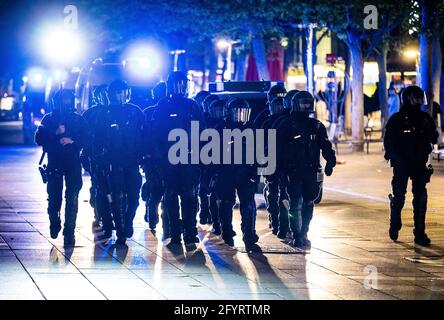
(153,189)
(217,114)
(275,189)
(204,99)
(100,99)
(181,179)
(409,136)
(62,135)
(117,146)
(238,178)
(275,91)
(301,139)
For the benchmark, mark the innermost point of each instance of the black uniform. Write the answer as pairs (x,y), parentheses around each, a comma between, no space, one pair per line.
(300,142)
(154,188)
(89,165)
(181,180)
(408,141)
(63,164)
(237,179)
(275,192)
(117,148)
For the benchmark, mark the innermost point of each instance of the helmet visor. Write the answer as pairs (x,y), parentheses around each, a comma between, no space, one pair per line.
(240,114)
(305,105)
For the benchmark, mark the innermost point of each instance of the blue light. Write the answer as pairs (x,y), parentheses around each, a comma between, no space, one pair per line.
(142,60)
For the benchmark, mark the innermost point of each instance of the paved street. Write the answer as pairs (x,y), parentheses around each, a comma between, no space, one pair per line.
(352,256)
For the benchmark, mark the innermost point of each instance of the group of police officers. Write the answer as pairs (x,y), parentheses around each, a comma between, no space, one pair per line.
(114,139)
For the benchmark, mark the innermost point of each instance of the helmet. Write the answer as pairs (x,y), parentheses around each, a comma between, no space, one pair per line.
(159,91)
(413,96)
(177,84)
(63,102)
(276,91)
(208,101)
(303,102)
(100,96)
(288,97)
(218,109)
(276,105)
(200,97)
(119,92)
(239,110)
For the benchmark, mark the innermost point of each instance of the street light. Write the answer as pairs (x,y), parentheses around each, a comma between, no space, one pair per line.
(414,54)
(176,54)
(226,44)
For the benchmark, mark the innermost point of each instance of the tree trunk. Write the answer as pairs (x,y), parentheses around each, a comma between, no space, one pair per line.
(382,88)
(212,62)
(425,54)
(357,86)
(436,67)
(240,66)
(260,55)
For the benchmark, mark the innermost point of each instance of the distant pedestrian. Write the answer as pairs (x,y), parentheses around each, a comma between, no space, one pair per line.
(393,102)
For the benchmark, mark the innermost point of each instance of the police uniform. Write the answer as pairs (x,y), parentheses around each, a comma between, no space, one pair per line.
(63,167)
(408,141)
(301,140)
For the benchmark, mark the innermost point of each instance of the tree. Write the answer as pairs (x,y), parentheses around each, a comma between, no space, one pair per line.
(347,19)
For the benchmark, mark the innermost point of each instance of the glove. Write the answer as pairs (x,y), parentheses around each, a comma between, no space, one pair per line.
(328,170)
(386,156)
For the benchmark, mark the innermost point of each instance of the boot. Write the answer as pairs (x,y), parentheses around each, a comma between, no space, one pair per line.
(422,240)
(55,225)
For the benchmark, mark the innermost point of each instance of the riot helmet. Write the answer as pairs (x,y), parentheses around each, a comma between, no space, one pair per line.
(276,105)
(239,110)
(100,95)
(218,109)
(63,102)
(287,98)
(208,101)
(177,84)
(276,91)
(159,91)
(413,96)
(303,102)
(119,92)
(200,97)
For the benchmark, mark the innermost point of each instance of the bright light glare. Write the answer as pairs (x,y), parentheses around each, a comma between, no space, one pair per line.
(62,46)
(222,44)
(142,61)
(411,54)
(35,77)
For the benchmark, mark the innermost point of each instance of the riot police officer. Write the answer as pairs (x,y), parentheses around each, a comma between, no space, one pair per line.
(275,189)
(62,135)
(117,148)
(204,100)
(300,142)
(100,99)
(275,91)
(238,179)
(217,113)
(181,179)
(409,136)
(153,189)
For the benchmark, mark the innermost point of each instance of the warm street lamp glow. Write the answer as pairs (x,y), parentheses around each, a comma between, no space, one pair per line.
(411,54)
